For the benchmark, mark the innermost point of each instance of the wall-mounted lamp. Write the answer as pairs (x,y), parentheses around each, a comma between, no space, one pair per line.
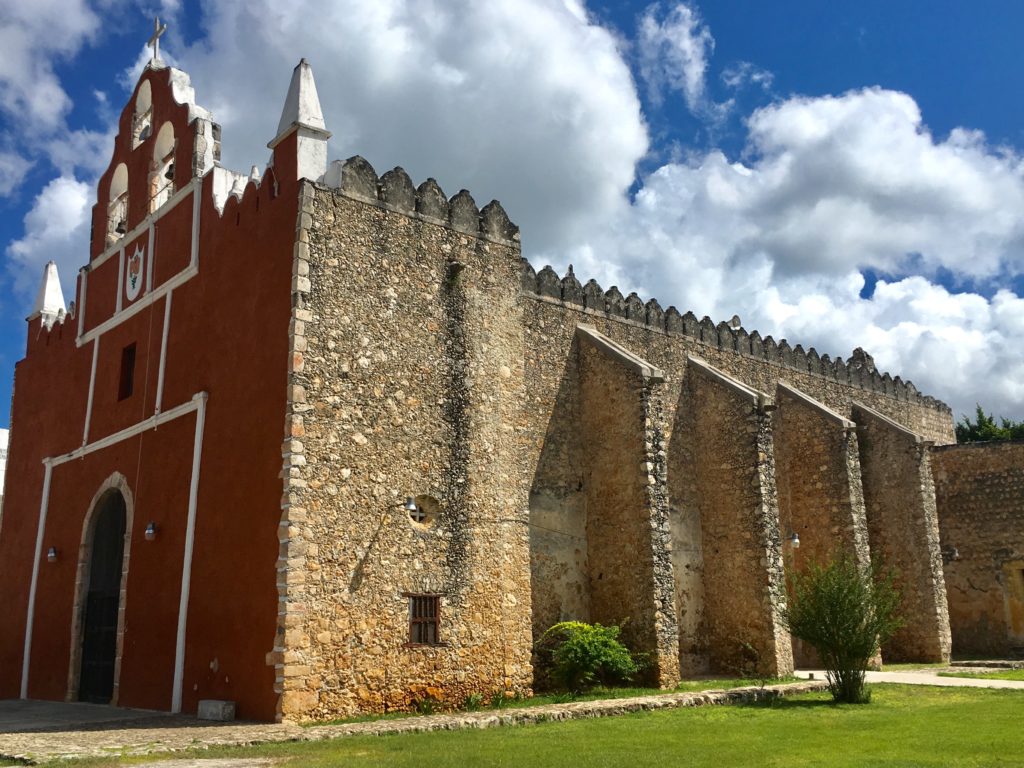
(409,505)
(151,530)
(51,555)
(950,553)
(794,540)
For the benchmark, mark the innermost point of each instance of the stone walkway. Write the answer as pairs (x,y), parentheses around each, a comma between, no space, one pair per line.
(152,733)
(930,676)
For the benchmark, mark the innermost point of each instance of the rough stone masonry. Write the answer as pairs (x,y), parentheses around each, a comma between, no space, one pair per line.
(573,454)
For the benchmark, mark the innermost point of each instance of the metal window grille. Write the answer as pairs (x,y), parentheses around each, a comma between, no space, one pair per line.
(424,616)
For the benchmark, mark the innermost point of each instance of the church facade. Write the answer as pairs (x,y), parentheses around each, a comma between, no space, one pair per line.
(319,441)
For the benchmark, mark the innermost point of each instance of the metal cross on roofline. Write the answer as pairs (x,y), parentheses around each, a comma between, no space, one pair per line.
(154,41)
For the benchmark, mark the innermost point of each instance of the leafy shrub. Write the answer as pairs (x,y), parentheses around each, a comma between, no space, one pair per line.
(575,656)
(845,612)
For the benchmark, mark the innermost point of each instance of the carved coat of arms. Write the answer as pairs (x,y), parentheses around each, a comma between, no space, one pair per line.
(133,276)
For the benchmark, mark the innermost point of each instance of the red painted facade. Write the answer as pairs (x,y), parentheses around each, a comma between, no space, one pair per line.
(227,277)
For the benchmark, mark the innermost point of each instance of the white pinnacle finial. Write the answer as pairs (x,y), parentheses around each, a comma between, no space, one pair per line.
(154,42)
(50,299)
(302,105)
(302,114)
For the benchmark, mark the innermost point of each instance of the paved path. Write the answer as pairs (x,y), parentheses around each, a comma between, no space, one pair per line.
(166,733)
(928,676)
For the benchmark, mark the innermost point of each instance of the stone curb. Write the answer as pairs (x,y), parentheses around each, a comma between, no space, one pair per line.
(578,710)
(43,747)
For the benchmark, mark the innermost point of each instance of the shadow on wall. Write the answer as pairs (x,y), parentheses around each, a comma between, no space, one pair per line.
(558,514)
(687,543)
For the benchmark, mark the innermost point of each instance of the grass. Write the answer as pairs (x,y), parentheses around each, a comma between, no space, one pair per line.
(1001,674)
(911,666)
(903,726)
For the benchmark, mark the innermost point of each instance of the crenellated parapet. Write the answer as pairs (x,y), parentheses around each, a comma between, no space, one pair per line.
(858,371)
(394,191)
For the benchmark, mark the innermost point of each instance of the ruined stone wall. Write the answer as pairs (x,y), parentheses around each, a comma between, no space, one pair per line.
(903,529)
(406,380)
(979,489)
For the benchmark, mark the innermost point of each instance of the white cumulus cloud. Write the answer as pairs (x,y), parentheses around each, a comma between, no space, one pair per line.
(13,168)
(831,186)
(528,101)
(33,35)
(674,48)
(534,103)
(56,229)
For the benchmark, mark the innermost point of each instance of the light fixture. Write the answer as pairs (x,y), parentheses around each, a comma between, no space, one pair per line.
(794,540)
(51,555)
(950,553)
(409,505)
(151,531)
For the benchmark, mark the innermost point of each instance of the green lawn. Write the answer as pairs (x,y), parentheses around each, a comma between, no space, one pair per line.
(1000,674)
(903,726)
(911,666)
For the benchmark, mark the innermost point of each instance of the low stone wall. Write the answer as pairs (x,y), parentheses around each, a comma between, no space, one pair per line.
(979,490)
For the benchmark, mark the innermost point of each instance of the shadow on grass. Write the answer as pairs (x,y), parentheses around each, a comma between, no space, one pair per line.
(782,702)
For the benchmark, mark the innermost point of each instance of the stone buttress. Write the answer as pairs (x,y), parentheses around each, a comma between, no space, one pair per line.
(903,529)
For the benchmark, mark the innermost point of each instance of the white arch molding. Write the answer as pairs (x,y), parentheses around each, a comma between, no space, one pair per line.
(116,482)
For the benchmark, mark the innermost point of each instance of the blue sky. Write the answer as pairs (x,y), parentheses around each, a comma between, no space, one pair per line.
(839,174)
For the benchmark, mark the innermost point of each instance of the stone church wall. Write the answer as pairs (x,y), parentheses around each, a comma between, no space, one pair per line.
(560,556)
(427,361)
(979,490)
(407,380)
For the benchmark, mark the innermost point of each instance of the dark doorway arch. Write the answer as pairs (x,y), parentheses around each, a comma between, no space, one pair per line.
(102,600)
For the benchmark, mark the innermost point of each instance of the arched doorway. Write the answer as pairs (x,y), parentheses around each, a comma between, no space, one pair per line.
(102,600)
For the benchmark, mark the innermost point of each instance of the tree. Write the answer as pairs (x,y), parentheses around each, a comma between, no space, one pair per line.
(984,428)
(845,612)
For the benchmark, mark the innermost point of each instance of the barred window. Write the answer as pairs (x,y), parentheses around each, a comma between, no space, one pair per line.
(424,617)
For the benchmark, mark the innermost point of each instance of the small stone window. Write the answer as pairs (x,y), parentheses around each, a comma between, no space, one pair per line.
(424,618)
(127,382)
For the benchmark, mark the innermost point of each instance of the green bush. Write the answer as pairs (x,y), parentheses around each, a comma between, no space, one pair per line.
(575,656)
(845,612)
